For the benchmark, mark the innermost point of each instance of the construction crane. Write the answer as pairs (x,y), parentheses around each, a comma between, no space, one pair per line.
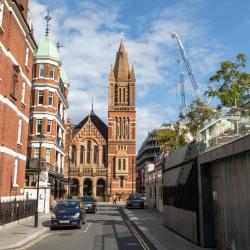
(183,101)
(187,64)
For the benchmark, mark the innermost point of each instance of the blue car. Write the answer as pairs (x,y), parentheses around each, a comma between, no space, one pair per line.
(68,213)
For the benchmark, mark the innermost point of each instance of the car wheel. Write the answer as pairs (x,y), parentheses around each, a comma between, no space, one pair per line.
(52,228)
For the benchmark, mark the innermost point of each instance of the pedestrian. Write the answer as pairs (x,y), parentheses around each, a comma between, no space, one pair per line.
(114,199)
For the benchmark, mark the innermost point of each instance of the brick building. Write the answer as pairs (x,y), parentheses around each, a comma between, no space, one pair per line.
(17,46)
(87,168)
(121,126)
(103,157)
(48,116)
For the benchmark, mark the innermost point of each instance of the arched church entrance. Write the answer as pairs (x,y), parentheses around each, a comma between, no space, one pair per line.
(100,187)
(87,187)
(74,188)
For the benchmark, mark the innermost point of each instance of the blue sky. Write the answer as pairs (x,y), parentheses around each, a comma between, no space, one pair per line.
(211,31)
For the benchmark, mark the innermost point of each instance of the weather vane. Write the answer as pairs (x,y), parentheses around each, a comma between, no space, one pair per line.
(59,45)
(47,18)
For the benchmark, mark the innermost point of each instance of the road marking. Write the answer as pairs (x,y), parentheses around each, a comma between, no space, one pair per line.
(87,227)
(33,242)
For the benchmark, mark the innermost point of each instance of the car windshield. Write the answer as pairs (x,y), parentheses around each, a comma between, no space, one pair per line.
(88,199)
(134,197)
(67,205)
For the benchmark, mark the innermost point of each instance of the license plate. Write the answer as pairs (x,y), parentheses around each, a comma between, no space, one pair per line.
(64,221)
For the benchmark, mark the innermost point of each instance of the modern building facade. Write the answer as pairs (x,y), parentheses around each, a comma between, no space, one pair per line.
(121,126)
(17,47)
(48,117)
(147,154)
(86,166)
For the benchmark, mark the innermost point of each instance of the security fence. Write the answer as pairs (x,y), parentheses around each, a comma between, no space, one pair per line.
(16,210)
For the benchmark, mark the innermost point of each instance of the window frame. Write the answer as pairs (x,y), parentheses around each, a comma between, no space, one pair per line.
(51,98)
(49,126)
(19,135)
(52,70)
(48,156)
(41,75)
(36,153)
(27,52)
(38,99)
(38,125)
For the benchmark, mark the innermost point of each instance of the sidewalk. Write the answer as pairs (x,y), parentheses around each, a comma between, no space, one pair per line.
(17,234)
(150,223)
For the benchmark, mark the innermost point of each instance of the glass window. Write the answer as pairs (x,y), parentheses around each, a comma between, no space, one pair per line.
(51,98)
(1,13)
(88,151)
(34,71)
(36,153)
(49,127)
(39,126)
(82,154)
(42,70)
(73,154)
(23,92)
(48,154)
(15,173)
(95,154)
(124,164)
(52,72)
(119,164)
(40,96)
(14,80)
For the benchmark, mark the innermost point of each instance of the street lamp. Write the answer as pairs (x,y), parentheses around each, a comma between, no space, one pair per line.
(69,176)
(38,179)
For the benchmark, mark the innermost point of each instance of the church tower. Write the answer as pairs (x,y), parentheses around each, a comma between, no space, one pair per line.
(121,126)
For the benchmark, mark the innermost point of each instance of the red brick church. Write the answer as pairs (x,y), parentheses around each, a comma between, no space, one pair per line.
(101,159)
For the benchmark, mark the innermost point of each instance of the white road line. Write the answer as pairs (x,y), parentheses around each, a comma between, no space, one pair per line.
(87,227)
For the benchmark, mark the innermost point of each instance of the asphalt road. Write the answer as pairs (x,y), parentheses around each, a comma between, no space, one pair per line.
(108,229)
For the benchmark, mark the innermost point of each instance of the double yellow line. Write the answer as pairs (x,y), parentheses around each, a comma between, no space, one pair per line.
(33,242)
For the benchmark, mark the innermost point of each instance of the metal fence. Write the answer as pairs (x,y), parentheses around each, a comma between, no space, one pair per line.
(16,210)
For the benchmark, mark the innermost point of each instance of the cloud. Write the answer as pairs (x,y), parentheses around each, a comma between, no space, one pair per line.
(89,32)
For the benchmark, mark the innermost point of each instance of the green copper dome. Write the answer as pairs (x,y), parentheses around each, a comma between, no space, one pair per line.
(64,75)
(47,49)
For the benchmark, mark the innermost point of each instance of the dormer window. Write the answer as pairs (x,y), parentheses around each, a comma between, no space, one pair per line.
(52,72)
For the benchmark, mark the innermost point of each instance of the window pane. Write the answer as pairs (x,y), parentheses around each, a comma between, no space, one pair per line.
(119,164)
(48,154)
(49,126)
(42,70)
(40,97)
(82,154)
(51,97)
(39,126)
(88,152)
(52,71)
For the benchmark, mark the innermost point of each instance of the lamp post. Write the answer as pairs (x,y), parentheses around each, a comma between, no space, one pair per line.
(69,176)
(154,176)
(38,179)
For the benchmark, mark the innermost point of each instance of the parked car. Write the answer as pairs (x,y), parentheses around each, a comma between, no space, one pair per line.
(89,203)
(68,213)
(135,201)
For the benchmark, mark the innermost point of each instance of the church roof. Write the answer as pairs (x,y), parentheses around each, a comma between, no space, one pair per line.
(121,68)
(99,124)
(47,49)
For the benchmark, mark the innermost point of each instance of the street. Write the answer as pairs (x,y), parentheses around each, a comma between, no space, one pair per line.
(107,229)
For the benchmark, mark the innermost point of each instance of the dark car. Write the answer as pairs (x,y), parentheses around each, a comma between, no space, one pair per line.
(89,203)
(68,213)
(135,201)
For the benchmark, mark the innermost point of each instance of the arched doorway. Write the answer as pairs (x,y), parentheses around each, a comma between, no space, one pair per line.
(74,188)
(87,187)
(100,187)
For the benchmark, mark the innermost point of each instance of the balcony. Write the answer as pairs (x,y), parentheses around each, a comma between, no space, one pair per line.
(87,172)
(73,172)
(101,172)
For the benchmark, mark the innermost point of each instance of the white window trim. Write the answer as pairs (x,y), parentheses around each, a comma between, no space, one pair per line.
(51,122)
(51,105)
(23,92)
(48,156)
(14,184)
(1,13)
(39,104)
(19,135)
(27,52)
(37,125)
(36,156)
(52,67)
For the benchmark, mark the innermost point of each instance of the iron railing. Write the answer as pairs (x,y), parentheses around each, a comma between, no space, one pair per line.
(16,210)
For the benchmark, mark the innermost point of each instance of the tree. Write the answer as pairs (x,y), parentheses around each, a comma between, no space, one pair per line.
(171,136)
(197,113)
(229,83)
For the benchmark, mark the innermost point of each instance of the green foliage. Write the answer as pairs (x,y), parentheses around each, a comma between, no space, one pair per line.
(171,136)
(230,83)
(198,112)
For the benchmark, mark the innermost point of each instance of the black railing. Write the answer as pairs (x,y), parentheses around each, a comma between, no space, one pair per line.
(16,210)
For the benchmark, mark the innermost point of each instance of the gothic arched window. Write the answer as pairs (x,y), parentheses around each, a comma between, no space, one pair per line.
(88,151)
(82,154)
(119,164)
(95,154)
(120,95)
(124,95)
(124,164)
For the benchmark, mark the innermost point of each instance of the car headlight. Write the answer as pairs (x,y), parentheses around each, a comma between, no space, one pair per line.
(53,216)
(76,215)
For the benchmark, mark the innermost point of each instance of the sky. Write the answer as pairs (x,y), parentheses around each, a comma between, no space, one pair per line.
(90,31)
